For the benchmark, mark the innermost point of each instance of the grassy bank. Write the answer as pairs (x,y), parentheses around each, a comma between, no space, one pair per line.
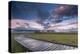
(63,38)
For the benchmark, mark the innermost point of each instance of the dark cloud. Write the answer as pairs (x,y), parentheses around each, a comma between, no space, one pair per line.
(63,10)
(66,10)
(41,11)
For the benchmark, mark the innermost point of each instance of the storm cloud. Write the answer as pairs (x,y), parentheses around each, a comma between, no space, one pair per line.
(42,11)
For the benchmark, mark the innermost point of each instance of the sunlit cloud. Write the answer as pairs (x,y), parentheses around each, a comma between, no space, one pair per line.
(15,23)
(44,16)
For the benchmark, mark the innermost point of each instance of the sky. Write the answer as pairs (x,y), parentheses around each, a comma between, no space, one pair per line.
(43,13)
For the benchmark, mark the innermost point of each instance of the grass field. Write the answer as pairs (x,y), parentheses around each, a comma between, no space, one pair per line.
(63,38)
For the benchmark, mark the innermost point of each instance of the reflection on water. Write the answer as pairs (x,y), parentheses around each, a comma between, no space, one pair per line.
(37,45)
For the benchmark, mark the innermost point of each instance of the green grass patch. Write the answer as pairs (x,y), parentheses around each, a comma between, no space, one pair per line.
(63,38)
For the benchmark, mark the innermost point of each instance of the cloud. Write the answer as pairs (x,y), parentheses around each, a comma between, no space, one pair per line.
(66,10)
(59,12)
(36,15)
(65,26)
(28,24)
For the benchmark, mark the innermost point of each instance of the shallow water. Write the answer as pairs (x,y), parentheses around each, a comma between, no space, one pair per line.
(38,45)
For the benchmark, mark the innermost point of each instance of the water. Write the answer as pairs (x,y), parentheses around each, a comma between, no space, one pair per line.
(37,45)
